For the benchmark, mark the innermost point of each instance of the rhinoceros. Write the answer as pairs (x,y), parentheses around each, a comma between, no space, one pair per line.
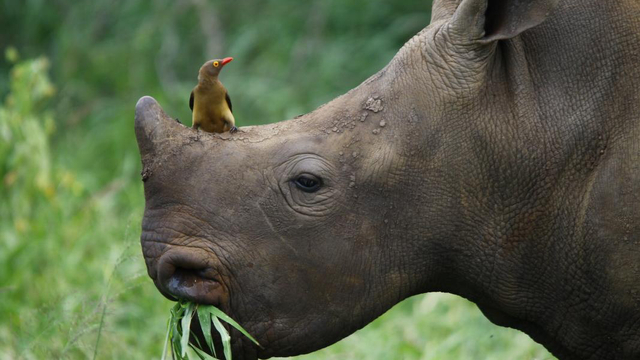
(496,157)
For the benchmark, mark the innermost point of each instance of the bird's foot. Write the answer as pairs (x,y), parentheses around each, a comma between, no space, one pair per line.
(178,121)
(233,129)
(197,134)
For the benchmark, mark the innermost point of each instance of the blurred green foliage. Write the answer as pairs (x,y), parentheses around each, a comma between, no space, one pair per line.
(70,195)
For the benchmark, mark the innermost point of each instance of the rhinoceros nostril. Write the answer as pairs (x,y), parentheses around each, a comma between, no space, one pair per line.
(187,275)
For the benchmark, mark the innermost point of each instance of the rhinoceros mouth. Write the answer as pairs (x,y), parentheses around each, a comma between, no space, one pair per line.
(190,274)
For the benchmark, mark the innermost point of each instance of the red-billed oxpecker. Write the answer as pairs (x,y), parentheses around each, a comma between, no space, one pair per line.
(209,102)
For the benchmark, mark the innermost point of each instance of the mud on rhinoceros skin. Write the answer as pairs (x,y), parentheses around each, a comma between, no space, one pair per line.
(495,157)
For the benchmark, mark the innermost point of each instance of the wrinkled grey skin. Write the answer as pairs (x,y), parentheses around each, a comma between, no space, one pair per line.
(496,157)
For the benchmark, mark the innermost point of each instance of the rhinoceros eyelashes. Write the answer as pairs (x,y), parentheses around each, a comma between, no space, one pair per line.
(308,183)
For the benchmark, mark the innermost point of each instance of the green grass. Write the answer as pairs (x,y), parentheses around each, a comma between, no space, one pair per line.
(73,284)
(179,331)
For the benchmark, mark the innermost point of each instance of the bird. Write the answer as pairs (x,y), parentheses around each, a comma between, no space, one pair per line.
(209,102)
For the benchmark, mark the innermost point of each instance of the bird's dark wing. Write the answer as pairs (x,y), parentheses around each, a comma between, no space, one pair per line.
(191,101)
(226,96)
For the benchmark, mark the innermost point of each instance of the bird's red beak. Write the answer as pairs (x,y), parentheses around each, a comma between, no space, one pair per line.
(226,60)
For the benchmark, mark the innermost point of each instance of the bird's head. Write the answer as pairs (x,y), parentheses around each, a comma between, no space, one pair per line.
(211,68)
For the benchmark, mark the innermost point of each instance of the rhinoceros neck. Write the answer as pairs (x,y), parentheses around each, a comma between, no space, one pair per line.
(547,199)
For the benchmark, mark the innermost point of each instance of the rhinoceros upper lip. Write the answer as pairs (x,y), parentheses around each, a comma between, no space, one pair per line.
(189,274)
(193,285)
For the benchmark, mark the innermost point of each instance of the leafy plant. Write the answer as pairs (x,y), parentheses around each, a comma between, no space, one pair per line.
(179,330)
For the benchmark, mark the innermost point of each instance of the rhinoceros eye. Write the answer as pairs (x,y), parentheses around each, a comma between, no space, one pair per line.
(307,183)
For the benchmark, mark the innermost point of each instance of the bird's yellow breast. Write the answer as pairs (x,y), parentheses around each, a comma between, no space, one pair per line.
(210,109)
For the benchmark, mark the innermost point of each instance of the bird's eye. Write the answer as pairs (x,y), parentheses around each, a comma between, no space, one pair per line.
(215,64)
(307,183)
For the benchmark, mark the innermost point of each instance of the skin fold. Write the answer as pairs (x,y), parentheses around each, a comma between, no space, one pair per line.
(497,157)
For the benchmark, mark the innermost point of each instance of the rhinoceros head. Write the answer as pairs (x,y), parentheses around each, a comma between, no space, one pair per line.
(301,230)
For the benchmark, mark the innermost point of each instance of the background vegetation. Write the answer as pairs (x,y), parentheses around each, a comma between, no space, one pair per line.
(72,279)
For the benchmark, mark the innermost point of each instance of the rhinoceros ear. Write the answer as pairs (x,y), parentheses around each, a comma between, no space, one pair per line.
(443,9)
(491,20)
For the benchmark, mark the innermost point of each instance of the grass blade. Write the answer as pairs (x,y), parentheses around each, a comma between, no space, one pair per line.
(186,328)
(166,339)
(204,316)
(224,335)
(176,313)
(104,311)
(197,353)
(202,355)
(193,346)
(218,313)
